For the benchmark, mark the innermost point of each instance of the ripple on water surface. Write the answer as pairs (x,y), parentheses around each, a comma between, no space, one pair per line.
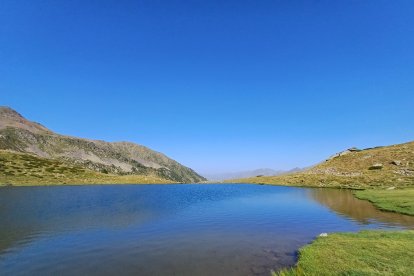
(172,229)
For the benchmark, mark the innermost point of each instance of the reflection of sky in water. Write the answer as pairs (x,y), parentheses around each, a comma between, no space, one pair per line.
(167,229)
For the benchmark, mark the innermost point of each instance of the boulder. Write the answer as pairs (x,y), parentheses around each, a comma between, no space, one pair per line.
(396,162)
(377,166)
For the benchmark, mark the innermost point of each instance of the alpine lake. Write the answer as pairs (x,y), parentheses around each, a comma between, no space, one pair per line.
(180,229)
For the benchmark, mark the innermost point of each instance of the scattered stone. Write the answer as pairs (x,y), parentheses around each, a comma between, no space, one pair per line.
(345,152)
(391,188)
(323,234)
(377,166)
(405,172)
(396,162)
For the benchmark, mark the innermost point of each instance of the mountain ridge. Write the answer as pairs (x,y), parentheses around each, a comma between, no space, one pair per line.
(120,158)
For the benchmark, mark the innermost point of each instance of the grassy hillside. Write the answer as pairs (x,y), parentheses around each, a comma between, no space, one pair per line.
(379,167)
(25,170)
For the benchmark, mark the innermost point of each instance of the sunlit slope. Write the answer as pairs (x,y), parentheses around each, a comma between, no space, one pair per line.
(390,166)
(26,170)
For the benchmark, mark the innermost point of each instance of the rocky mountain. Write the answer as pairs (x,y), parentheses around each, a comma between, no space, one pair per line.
(388,166)
(18,134)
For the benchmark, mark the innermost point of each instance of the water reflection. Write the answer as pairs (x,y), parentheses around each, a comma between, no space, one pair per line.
(171,229)
(344,202)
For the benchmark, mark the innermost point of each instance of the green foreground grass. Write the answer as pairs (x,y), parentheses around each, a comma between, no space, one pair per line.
(400,201)
(363,253)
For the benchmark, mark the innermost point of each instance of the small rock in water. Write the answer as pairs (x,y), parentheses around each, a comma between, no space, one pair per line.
(258,270)
(323,234)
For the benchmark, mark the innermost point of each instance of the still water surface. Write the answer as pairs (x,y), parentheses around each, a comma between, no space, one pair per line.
(172,229)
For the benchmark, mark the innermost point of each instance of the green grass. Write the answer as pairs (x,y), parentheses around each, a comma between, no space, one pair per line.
(19,169)
(401,201)
(363,253)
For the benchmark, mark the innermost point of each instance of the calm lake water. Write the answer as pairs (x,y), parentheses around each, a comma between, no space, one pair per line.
(171,229)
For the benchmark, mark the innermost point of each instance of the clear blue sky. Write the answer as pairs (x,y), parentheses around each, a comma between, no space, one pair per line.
(217,85)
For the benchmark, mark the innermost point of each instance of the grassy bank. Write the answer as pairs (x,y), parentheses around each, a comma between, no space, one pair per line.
(19,169)
(364,180)
(400,201)
(363,253)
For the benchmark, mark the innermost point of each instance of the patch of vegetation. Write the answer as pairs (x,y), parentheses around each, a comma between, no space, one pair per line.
(363,253)
(401,201)
(21,169)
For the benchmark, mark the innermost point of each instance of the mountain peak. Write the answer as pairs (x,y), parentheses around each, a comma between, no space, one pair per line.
(11,118)
(6,111)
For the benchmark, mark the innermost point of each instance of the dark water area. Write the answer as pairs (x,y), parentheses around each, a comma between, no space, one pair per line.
(231,229)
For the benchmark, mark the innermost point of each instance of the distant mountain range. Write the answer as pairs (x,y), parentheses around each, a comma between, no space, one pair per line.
(19,135)
(245,174)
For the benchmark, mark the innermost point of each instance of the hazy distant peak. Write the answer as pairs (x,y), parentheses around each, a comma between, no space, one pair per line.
(245,174)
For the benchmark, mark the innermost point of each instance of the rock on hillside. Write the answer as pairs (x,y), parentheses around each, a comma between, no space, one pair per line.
(19,134)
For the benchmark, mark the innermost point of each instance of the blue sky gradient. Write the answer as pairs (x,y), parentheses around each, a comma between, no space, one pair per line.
(217,85)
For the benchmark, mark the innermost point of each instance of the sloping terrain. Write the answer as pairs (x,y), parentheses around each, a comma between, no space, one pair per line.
(380,167)
(25,170)
(119,158)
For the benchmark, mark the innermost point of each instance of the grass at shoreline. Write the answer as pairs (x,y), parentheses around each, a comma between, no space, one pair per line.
(400,201)
(367,180)
(363,253)
(19,169)
(87,179)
